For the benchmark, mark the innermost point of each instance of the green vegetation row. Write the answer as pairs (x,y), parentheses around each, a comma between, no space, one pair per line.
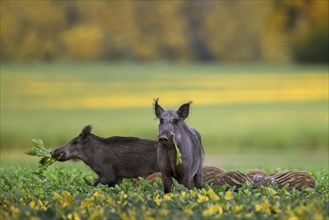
(65,193)
(224,128)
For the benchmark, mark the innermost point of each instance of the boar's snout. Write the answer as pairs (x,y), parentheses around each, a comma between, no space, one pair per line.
(165,140)
(59,155)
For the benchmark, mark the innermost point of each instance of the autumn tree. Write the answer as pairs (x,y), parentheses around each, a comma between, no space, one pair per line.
(275,31)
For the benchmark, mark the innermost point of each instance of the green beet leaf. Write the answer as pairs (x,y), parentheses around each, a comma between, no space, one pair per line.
(178,154)
(39,150)
(38,143)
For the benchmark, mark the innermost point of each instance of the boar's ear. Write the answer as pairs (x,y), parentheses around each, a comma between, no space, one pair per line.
(184,110)
(157,108)
(85,131)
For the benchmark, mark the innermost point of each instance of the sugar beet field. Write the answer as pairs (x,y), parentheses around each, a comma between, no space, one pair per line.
(262,116)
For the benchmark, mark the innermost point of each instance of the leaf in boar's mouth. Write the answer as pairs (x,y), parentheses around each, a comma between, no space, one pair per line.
(178,154)
(39,150)
(38,143)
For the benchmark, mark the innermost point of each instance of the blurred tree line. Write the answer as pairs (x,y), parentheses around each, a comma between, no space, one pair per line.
(278,30)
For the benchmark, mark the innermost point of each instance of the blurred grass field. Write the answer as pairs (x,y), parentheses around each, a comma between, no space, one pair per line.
(248,115)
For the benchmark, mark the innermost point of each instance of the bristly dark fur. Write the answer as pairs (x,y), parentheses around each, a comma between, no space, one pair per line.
(117,141)
(112,158)
(172,128)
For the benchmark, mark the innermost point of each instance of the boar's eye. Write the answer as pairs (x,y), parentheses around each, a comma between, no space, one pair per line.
(161,120)
(175,121)
(74,142)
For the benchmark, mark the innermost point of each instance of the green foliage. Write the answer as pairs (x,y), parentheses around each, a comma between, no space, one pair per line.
(39,150)
(178,154)
(64,194)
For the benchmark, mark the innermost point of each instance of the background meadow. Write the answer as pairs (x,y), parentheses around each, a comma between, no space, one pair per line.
(248,115)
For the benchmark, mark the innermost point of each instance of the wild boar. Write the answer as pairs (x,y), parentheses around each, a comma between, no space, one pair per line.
(211,175)
(295,179)
(173,130)
(112,158)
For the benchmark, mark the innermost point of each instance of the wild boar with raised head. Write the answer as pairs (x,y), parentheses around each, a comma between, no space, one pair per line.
(174,131)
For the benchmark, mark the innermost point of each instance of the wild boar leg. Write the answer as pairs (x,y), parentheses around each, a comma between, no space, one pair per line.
(102,180)
(198,178)
(185,180)
(109,180)
(118,180)
(97,181)
(167,183)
